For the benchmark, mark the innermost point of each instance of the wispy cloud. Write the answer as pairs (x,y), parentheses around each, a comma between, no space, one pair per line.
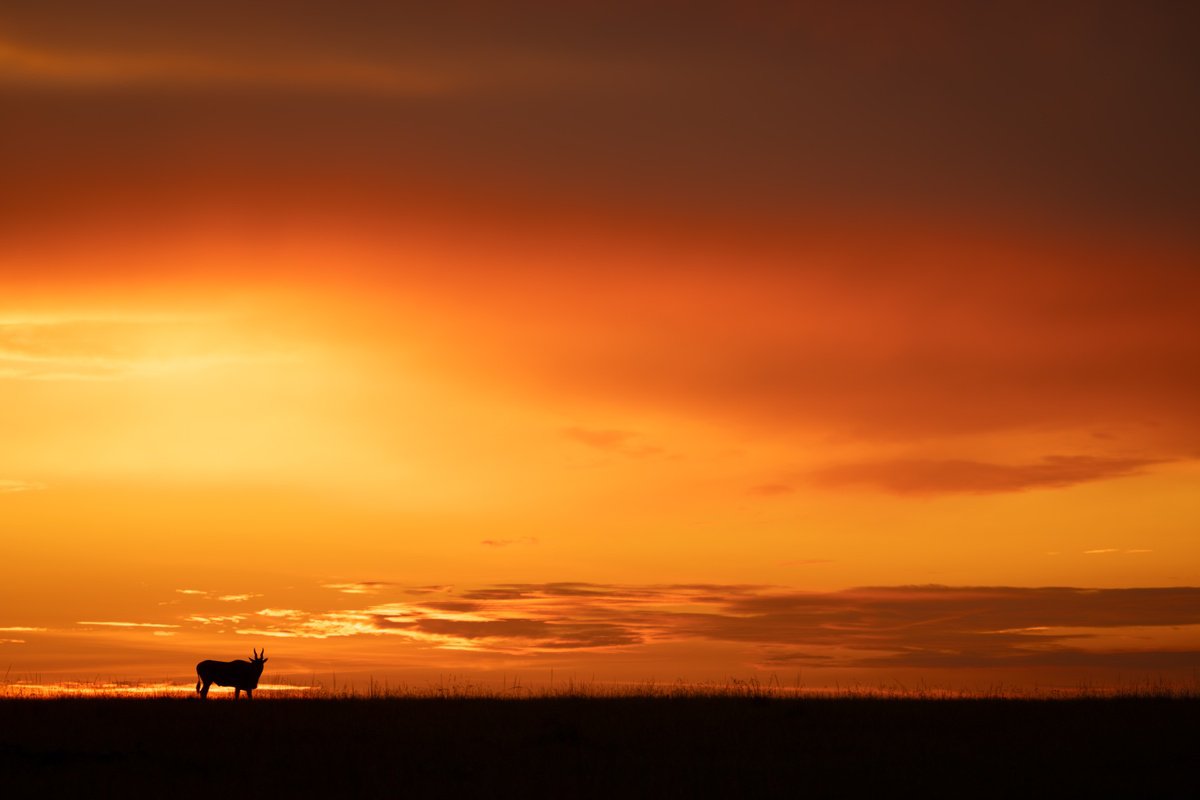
(106,348)
(209,619)
(98,67)
(626,443)
(20,629)
(280,612)
(8,486)
(357,587)
(509,542)
(933,476)
(1107,550)
(126,624)
(404,73)
(224,598)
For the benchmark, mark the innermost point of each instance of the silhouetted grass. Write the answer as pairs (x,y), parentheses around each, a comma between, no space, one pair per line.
(664,745)
(458,688)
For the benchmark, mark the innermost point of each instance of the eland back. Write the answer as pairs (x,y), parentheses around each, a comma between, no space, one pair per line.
(241,675)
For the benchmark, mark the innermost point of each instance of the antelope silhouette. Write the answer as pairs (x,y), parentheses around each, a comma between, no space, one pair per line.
(241,675)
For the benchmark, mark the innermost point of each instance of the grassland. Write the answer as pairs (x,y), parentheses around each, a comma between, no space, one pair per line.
(664,744)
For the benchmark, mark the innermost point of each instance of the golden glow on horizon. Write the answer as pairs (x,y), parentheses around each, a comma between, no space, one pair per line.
(24,689)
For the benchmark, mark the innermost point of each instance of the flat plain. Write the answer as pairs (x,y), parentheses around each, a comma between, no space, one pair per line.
(630,746)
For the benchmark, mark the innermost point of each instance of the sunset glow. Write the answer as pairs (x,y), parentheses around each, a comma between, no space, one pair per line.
(735,341)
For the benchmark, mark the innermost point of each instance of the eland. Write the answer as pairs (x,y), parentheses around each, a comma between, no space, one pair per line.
(241,675)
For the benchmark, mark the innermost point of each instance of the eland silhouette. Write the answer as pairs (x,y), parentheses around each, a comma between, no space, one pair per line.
(241,675)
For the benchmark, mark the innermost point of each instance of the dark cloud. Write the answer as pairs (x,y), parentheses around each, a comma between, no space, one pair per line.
(520,591)
(774,151)
(555,634)
(987,608)
(938,626)
(870,627)
(929,476)
(712,105)
(1050,657)
(452,605)
(894,336)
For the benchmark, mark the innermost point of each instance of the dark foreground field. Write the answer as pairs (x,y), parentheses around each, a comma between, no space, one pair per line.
(595,747)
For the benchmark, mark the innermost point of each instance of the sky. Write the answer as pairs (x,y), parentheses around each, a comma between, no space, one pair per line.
(819,342)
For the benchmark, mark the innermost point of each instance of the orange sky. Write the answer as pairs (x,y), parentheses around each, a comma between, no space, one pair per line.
(627,340)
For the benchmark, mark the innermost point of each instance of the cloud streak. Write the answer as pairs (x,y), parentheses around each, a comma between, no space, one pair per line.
(624,443)
(9,486)
(97,68)
(357,587)
(114,348)
(209,619)
(398,74)
(962,476)
(224,598)
(126,624)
